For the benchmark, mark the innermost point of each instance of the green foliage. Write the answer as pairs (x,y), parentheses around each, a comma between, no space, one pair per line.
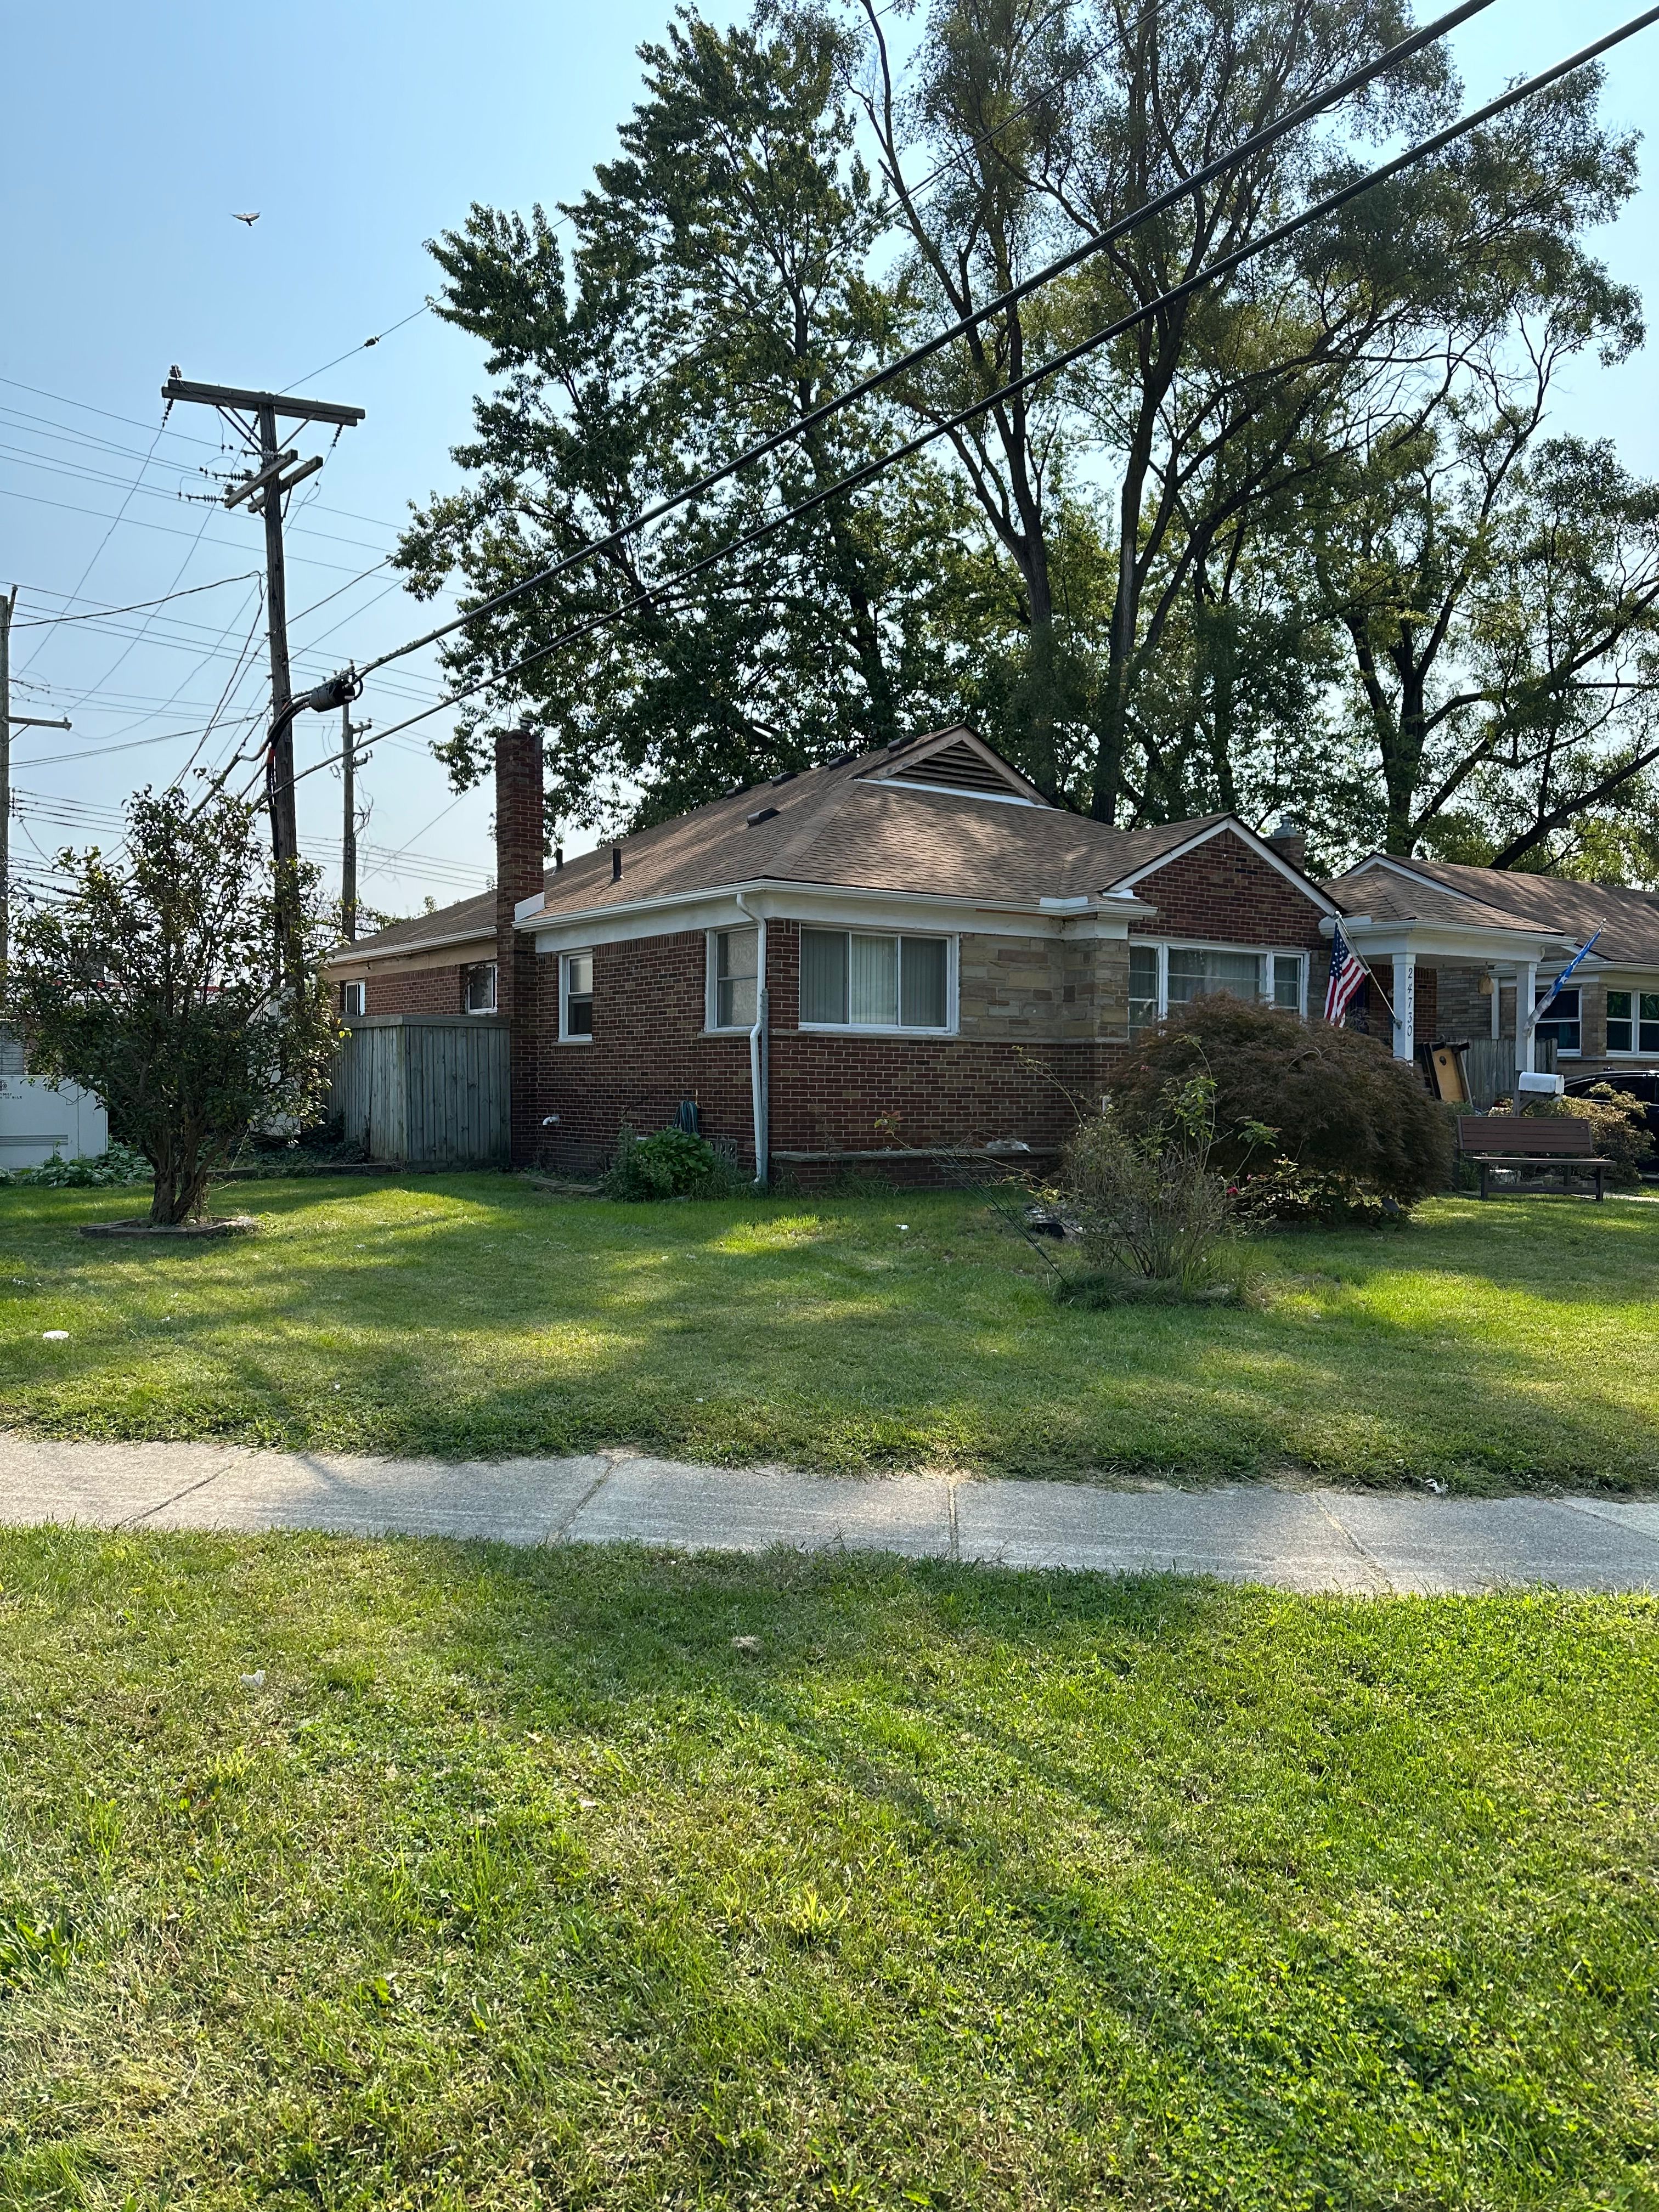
(960,1888)
(1333,1099)
(671,1164)
(1153,1210)
(1284,1191)
(152,984)
(1618,1128)
(96,1171)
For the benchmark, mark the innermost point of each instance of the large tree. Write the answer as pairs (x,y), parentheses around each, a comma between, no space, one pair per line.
(718,287)
(152,982)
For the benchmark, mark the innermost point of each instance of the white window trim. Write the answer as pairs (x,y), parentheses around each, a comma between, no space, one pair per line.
(359,992)
(1265,954)
(711,979)
(495,994)
(577,952)
(1633,1049)
(953,1010)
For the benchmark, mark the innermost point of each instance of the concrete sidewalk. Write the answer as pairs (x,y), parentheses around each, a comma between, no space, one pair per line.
(1316,1540)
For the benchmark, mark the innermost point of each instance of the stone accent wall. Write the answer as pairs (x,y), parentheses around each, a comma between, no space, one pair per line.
(1071,989)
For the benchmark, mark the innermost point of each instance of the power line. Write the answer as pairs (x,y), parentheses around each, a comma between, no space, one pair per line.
(1330,204)
(136,606)
(1305,111)
(108,534)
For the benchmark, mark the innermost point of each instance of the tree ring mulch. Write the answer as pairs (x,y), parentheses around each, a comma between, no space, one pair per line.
(233,1225)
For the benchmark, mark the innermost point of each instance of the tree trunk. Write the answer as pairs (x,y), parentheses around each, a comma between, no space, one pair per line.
(180,1192)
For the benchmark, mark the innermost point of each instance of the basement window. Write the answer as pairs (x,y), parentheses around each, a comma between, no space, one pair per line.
(478,988)
(733,978)
(354,999)
(854,979)
(576,998)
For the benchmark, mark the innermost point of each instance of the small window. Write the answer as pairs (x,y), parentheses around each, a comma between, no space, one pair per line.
(737,979)
(478,988)
(354,998)
(1621,1036)
(851,980)
(1563,1024)
(1287,981)
(576,998)
(1143,987)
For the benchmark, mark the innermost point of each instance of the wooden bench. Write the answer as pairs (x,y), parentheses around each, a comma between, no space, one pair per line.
(1529,1141)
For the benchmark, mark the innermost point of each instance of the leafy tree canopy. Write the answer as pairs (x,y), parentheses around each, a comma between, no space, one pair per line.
(150,981)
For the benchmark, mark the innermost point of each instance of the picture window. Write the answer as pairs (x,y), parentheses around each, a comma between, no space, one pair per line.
(853,979)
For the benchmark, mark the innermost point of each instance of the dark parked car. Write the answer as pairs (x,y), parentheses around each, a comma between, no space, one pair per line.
(1641,1083)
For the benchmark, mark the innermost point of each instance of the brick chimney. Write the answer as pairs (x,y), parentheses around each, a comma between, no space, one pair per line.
(520,841)
(1290,842)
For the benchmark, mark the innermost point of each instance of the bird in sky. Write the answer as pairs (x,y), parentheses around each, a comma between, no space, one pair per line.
(250,220)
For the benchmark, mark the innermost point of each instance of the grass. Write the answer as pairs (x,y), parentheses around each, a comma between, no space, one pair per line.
(422,1875)
(1510,1343)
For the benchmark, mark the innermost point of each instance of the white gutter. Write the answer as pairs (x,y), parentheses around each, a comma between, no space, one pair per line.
(757,1068)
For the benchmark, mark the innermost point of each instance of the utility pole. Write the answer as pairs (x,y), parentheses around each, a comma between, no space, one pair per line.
(350,732)
(255,415)
(8,722)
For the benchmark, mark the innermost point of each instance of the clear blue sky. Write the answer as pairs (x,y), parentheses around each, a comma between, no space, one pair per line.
(357,130)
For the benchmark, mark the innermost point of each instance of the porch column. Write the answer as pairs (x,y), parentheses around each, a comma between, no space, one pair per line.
(1496,981)
(1405,1005)
(1526,997)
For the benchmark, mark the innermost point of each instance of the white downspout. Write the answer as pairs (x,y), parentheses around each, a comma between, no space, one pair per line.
(757,1068)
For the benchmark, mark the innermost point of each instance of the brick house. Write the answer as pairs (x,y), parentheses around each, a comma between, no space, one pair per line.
(911,951)
(905,951)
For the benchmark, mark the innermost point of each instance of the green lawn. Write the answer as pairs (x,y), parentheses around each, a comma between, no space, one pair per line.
(1516,1343)
(515,1882)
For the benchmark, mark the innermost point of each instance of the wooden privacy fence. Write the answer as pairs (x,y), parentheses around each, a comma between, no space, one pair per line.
(1491,1065)
(425,1090)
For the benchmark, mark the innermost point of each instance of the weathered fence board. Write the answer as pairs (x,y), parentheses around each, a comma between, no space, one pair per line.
(1490,1064)
(425,1090)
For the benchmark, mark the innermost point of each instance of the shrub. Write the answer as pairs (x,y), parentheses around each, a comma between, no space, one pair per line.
(1619,1126)
(1152,1209)
(118,1166)
(1285,1193)
(1338,1101)
(671,1164)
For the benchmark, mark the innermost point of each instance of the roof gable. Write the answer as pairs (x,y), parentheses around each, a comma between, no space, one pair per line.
(954,760)
(1149,850)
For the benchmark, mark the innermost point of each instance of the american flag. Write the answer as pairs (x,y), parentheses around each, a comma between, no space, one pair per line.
(1348,972)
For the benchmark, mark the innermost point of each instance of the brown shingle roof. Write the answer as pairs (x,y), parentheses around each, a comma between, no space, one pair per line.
(849,825)
(1505,899)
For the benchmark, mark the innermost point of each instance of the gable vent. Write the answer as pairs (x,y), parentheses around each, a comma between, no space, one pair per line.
(959,768)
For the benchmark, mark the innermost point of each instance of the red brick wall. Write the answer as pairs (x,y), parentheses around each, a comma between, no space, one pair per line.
(1226,894)
(828,1092)
(520,840)
(647,1052)
(417,991)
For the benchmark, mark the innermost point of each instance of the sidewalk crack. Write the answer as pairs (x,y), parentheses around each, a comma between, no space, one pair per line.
(1348,1536)
(954,1554)
(559,1532)
(132,1520)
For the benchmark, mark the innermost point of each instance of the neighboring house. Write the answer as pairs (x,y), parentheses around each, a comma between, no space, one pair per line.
(41,1120)
(1455,949)
(905,951)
